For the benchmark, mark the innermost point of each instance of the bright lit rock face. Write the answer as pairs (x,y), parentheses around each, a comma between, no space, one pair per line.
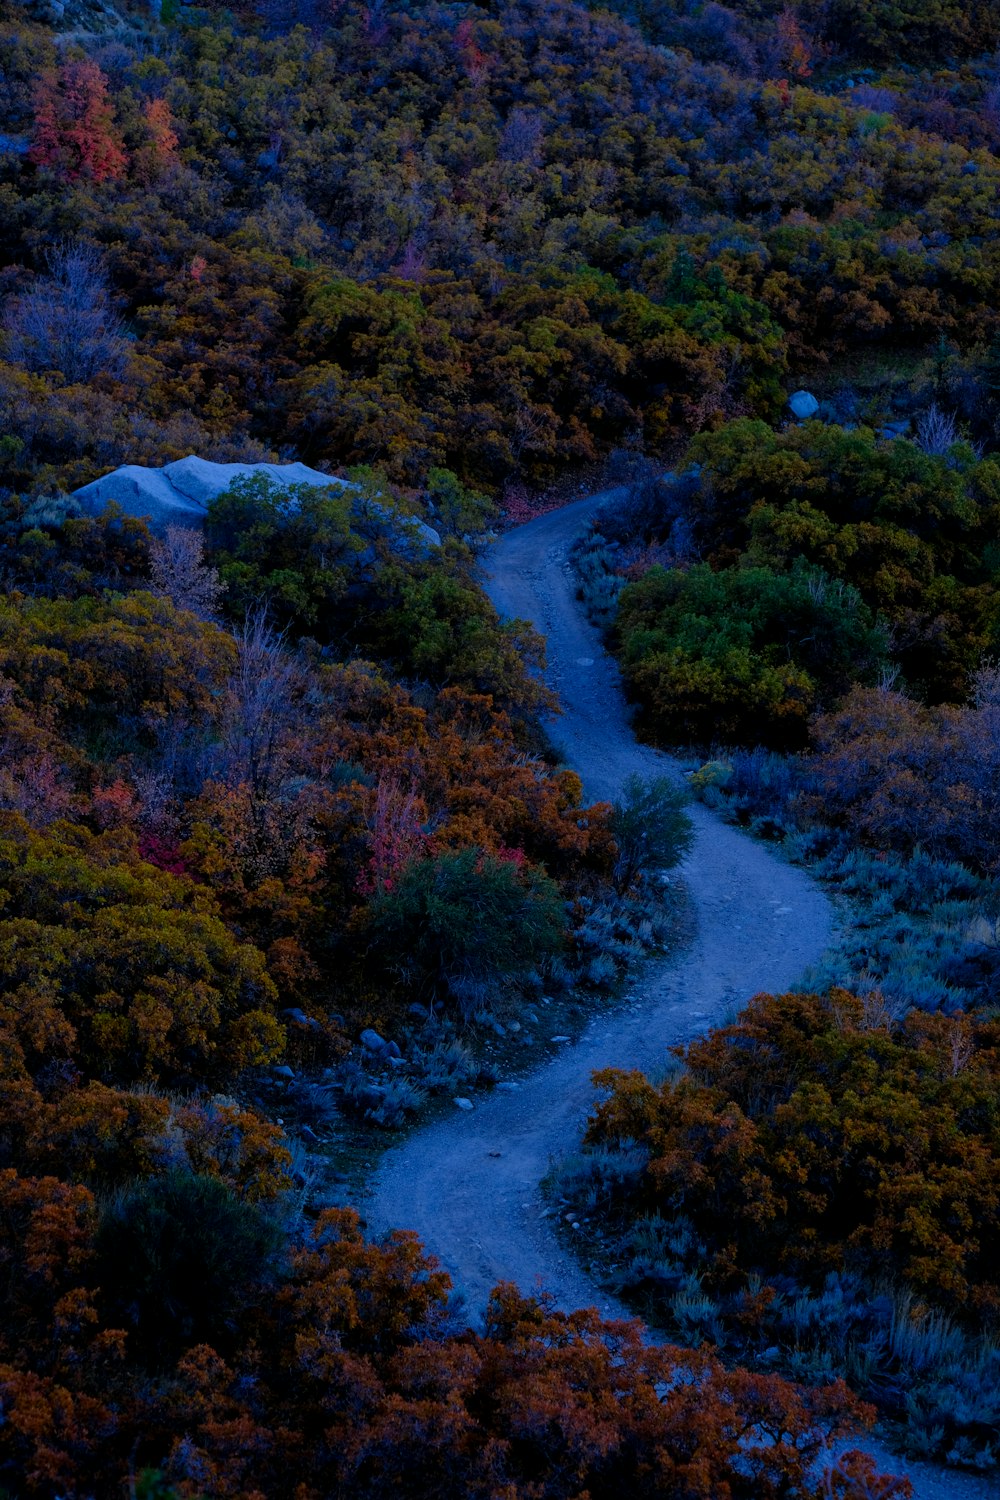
(179,493)
(185,487)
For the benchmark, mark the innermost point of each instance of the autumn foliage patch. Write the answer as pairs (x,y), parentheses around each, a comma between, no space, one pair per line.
(814,1134)
(340,1373)
(268,786)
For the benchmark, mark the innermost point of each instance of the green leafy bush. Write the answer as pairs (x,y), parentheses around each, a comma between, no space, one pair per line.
(178,1257)
(459,924)
(742,655)
(122,966)
(433,622)
(454,508)
(650,827)
(909,531)
(292,549)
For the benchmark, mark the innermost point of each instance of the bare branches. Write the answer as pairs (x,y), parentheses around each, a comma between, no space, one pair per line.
(66,321)
(937,431)
(181,574)
(257,703)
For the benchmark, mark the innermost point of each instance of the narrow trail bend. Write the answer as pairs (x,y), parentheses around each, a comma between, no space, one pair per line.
(469,1184)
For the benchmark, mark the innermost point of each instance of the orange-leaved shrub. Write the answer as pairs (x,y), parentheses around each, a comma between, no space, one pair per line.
(339,1372)
(816,1134)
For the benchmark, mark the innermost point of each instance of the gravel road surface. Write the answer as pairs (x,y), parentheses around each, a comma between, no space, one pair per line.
(469,1185)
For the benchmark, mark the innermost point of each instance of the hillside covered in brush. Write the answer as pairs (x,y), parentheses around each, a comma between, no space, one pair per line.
(289,856)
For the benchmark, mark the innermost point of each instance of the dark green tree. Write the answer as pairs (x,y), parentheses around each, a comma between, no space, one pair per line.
(178,1258)
(460,923)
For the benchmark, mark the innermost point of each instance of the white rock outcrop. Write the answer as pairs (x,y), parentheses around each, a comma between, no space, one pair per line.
(187,485)
(179,494)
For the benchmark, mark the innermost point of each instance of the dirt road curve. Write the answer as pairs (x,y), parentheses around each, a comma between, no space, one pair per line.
(469,1185)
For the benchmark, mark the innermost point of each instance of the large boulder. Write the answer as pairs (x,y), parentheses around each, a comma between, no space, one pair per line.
(804,405)
(141,492)
(181,490)
(179,494)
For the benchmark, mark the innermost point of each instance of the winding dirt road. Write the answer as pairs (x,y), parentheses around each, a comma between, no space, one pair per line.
(469,1184)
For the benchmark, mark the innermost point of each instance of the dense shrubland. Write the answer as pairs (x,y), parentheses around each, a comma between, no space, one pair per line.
(209,839)
(266,789)
(795,1192)
(816,1136)
(273,784)
(816,607)
(779,568)
(216,1365)
(815,1190)
(753,35)
(224,848)
(496,242)
(226,851)
(722,655)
